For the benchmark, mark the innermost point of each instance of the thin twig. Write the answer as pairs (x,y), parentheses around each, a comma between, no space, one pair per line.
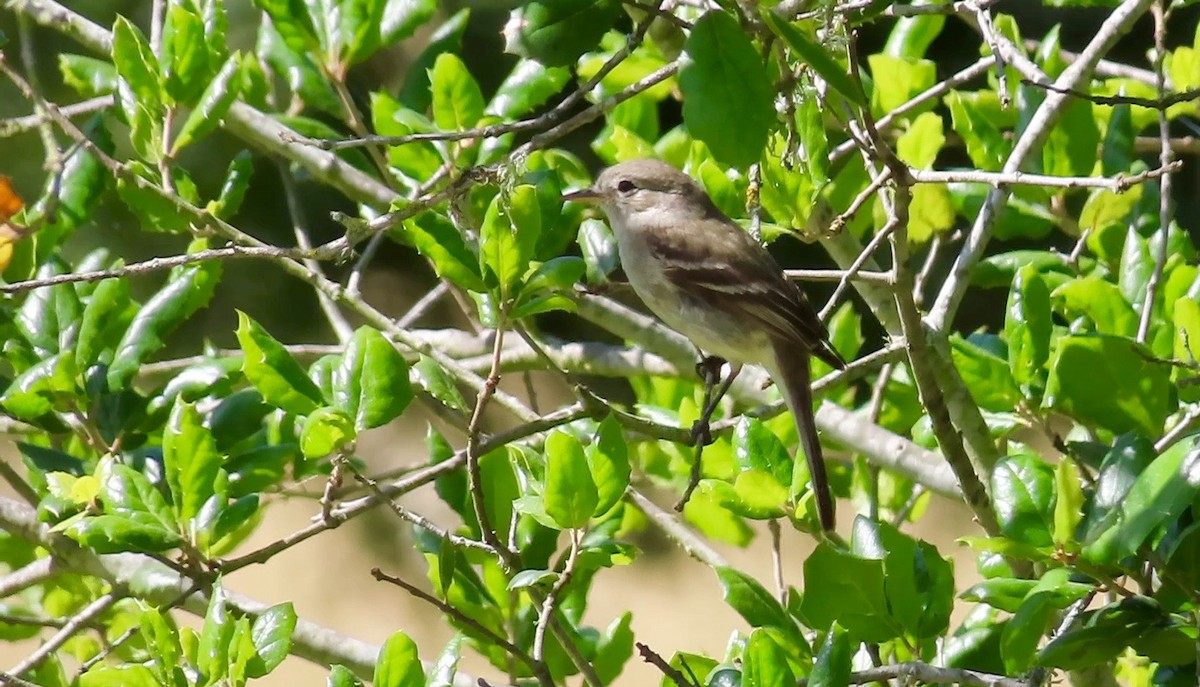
(929,674)
(1165,156)
(69,629)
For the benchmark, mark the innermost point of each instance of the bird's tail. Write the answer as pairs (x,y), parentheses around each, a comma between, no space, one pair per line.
(793,374)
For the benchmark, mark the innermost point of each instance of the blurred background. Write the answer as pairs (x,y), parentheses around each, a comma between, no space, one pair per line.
(676,600)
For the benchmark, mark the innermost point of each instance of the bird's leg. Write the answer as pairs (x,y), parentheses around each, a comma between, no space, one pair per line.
(709,370)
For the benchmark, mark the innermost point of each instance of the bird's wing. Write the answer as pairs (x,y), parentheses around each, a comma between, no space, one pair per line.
(740,277)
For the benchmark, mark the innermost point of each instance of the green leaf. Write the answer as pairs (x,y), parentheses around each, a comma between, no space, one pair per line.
(1021,635)
(1105,207)
(272,635)
(599,250)
(436,238)
(1129,456)
(753,602)
(218,96)
(42,388)
(608,458)
(457,100)
(728,99)
(1109,383)
(138,70)
(1027,327)
(290,18)
(446,666)
(852,594)
(1101,302)
(920,145)
(189,289)
(88,75)
(987,376)
(233,189)
(1068,504)
(832,667)
(104,675)
(814,55)
(971,117)
(614,649)
(398,664)
(341,676)
(190,460)
(126,492)
(555,33)
(105,318)
(509,235)
(402,17)
(439,383)
(273,371)
(1162,492)
(912,36)
(755,447)
(896,80)
(325,431)
(1023,495)
(764,663)
(526,87)
(570,494)
(371,384)
(357,30)
(119,533)
(213,649)
(184,58)
(1071,148)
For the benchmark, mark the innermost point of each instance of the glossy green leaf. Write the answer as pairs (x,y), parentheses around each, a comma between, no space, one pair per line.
(852,594)
(189,289)
(556,33)
(1157,498)
(497,473)
(233,189)
(126,492)
(291,19)
(272,635)
(756,447)
(457,100)
(920,145)
(599,249)
(570,494)
(325,431)
(137,68)
(190,460)
(87,75)
(184,57)
(439,383)
(341,676)
(273,371)
(1068,504)
(402,17)
(119,533)
(896,80)
(398,664)
(614,649)
(1129,456)
(832,667)
(1021,635)
(753,602)
(215,102)
(764,663)
(970,114)
(728,100)
(1109,383)
(1070,149)
(509,235)
(1023,496)
(439,240)
(371,384)
(608,457)
(129,675)
(986,375)
(526,87)
(1027,327)
(1101,302)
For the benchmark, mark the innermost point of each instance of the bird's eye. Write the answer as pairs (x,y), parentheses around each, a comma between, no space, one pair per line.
(626,186)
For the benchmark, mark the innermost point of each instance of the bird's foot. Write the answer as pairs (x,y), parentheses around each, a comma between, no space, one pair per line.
(709,369)
(701,433)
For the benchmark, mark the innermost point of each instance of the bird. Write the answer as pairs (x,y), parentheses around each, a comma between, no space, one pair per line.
(707,278)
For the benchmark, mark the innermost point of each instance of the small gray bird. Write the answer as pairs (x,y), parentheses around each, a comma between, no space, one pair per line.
(705,277)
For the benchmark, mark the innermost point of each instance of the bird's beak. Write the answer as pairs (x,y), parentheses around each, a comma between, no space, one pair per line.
(586,195)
